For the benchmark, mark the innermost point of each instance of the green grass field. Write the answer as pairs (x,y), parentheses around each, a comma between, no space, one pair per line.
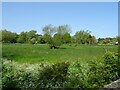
(29,53)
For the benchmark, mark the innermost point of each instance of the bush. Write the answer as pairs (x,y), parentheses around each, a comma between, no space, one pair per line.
(27,76)
(96,74)
(8,73)
(53,76)
(103,73)
(77,76)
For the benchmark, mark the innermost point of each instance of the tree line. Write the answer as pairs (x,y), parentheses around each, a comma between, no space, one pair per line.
(55,36)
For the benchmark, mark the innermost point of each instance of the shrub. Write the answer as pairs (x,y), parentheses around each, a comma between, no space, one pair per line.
(77,76)
(102,73)
(96,74)
(8,72)
(111,66)
(53,76)
(28,76)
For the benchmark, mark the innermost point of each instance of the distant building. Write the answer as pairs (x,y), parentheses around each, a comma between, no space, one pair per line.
(116,43)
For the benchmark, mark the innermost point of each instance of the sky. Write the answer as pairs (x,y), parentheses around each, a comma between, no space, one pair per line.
(101,18)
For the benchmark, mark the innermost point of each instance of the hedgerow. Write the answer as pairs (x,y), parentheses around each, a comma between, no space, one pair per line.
(27,76)
(95,74)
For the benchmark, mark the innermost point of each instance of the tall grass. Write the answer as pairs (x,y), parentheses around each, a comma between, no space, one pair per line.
(29,53)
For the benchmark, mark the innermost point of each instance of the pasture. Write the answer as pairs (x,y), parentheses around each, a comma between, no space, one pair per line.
(37,66)
(37,53)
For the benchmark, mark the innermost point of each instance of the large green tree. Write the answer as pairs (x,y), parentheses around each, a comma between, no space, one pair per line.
(62,35)
(91,40)
(9,37)
(57,40)
(55,35)
(40,39)
(82,37)
(49,29)
(62,29)
(66,38)
(31,36)
(47,38)
(22,37)
(28,37)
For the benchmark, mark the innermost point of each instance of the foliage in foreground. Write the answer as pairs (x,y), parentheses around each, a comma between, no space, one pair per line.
(61,75)
(33,76)
(103,73)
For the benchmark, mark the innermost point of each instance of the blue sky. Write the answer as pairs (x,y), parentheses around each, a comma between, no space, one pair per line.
(101,18)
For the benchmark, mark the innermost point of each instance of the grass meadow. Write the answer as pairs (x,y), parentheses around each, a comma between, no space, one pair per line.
(37,53)
(36,66)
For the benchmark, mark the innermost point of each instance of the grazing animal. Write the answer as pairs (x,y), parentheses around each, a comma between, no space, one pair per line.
(53,47)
